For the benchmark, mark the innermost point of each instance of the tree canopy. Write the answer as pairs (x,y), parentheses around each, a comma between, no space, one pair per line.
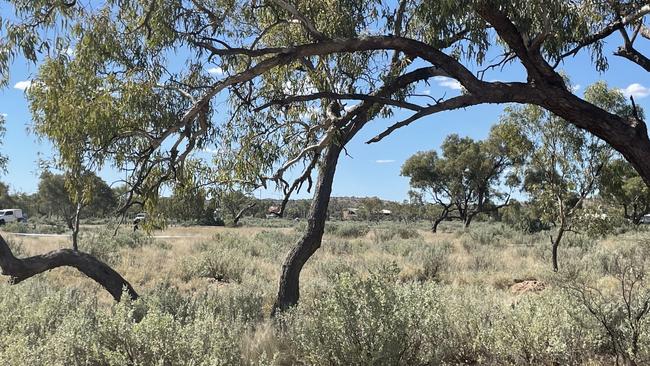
(136,84)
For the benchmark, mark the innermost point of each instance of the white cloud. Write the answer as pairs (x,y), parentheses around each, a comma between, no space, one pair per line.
(23,85)
(385,161)
(576,87)
(636,90)
(216,71)
(448,83)
(426,91)
(5,115)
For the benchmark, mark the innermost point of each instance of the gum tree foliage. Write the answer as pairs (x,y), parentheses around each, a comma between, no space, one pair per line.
(19,270)
(186,204)
(125,82)
(622,186)
(564,163)
(371,208)
(468,177)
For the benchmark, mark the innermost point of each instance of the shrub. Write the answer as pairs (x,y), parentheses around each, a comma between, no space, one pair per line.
(435,260)
(106,247)
(347,229)
(405,232)
(619,303)
(361,322)
(219,265)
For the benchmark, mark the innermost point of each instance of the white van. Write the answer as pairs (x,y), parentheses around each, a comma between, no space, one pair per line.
(11,215)
(645,219)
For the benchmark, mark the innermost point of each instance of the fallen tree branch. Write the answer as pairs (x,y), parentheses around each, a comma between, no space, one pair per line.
(20,270)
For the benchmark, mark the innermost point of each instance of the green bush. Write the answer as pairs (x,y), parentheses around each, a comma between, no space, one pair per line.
(347,229)
(435,261)
(219,265)
(106,247)
(361,322)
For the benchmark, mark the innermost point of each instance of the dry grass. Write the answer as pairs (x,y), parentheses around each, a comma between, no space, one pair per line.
(470,262)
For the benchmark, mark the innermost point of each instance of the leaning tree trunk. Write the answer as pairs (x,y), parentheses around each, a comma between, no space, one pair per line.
(289,289)
(238,216)
(556,244)
(438,220)
(21,269)
(434,225)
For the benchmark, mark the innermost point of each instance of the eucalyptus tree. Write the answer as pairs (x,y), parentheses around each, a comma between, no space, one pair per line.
(564,164)
(563,169)
(467,179)
(59,196)
(125,82)
(234,204)
(622,186)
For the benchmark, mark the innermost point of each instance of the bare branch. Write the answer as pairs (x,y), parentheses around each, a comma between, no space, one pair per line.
(607,31)
(331,96)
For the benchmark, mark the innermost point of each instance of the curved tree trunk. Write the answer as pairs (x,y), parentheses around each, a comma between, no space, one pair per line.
(434,225)
(289,288)
(556,244)
(443,215)
(22,269)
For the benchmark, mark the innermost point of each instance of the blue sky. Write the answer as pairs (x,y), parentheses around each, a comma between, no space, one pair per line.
(369,170)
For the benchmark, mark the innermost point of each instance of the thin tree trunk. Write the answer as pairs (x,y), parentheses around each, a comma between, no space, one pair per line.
(289,287)
(556,244)
(75,228)
(21,269)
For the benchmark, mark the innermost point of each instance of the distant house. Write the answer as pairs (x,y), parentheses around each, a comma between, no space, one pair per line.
(386,212)
(273,211)
(350,213)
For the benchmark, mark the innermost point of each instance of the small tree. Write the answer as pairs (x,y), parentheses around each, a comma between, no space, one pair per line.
(188,204)
(234,204)
(465,180)
(565,162)
(67,197)
(622,186)
(6,200)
